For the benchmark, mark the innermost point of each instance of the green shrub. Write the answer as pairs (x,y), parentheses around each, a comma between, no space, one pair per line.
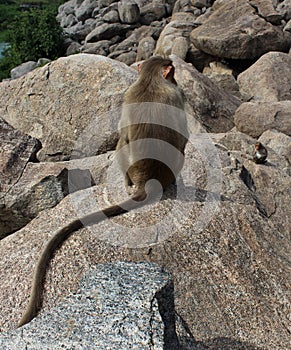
(36,34)
(33,34)
(7,15)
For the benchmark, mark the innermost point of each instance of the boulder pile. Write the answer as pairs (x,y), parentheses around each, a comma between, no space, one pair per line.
(222,234)
(197,31)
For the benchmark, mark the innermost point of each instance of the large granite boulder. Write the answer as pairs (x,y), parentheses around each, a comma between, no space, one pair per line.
(253,118)
(85,9)
(179,28)
(23,69)
(107,31)
(40,186)
(228,257)
(222,231)
(118,306)
(152,11)
(268,79)
(128,11)
(213,107)
(57,102)
(279,142)
(237,30)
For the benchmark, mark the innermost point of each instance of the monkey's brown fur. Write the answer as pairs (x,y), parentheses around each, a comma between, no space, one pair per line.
(260,154)
(155,84)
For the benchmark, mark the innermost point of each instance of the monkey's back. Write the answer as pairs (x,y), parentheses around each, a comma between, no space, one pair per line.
(156,134)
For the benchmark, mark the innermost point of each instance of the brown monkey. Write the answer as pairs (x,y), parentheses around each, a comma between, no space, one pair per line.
(260,154)
(147,126)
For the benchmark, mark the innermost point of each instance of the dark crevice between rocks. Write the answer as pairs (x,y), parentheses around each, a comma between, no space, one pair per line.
(166,304)
(247,179)
(238,65)
(37,147)
(20,150)
(255,7)
(47,76)
(188,339)
(58,155)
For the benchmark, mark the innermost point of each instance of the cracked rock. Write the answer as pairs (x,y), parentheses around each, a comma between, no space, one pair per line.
(41,105)
(44,185)
(118,306)
(16,150)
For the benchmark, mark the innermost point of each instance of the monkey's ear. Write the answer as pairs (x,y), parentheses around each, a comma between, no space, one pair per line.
(139,67)
(166,71)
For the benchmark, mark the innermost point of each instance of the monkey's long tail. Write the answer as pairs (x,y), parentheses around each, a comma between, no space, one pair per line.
(35,300)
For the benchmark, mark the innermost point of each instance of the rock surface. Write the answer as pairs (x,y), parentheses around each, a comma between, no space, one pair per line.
(107,31)
(85,9)
(269,79)
(284,9)
(253,118)
(179,28)
(272,186)
(23,69)
(27,67)
(111,20)
(265,9)
(223,76)
(210,105)
(229,248)
(234,30)
(44,185)
(222,231)
(279,142)
(16,150)
(118,306)
(145,48)
(81,92)
(128,11)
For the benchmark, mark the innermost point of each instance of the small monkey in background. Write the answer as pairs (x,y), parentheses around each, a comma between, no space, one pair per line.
(260,154)
(145,118)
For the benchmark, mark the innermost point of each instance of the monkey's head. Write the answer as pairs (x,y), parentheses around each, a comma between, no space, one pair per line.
(258,146)
(157,66)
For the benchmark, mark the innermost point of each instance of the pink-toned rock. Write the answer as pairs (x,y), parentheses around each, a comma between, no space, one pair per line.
(268,79)
(254,118)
